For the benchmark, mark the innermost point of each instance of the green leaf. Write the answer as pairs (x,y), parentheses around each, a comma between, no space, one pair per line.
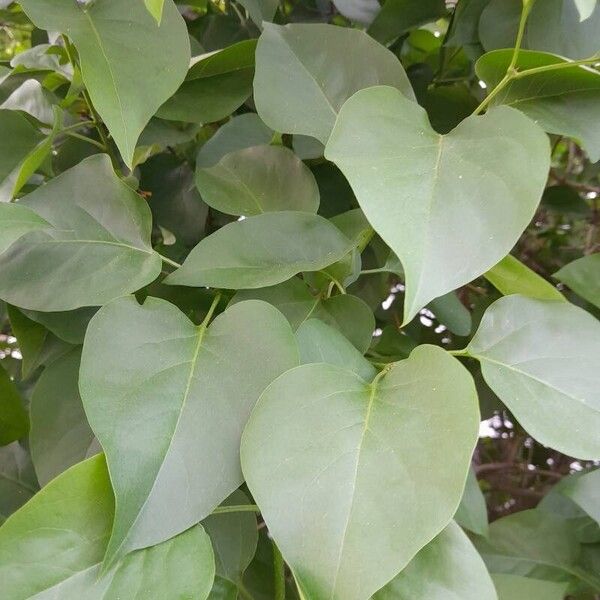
(565,27)
(511,587)
(511,276)
(562,101)
(260,10)
(346,313)
(37,345)
(541,357)
(130,65)
(155,8)
(262,250)
(98,247)
(243,131)
(234,536)
(448,567)
(321,343)
(14,421)
(15,221)
(60,435)
(399,16)
(583,277)
(17,479)
(363,11)
(216,85)
(486,177)
(305,72)
(69,326)
(175,203)
(585,491)
(450,311)
(566,200)
(168,401)
(53,546)
(257,180)
(472,511)
(18,139)
(533,543)
(322,441)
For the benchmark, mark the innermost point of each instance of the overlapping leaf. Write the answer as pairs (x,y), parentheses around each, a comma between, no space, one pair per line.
(323,442)
(424,194)
(168,401)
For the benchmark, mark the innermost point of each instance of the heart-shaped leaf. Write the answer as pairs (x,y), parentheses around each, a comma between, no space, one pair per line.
(542,359)
(130,64)
(322,441)
(96,248)
(53,547)
(486,177)
(448,567)
(257,180)
(348,314)
(168,401)
(305,72)
(261,251)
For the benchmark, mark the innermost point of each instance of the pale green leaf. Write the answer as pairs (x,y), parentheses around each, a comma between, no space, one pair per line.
(511,276)
(346,313)
(515,587)
(234,536)
(533,543)
(260,10)
(257,180)
(583,277)
(60,435)
(448,568)
(15,221)
(565,27)
(585,491)
(305,72)
(322,441)
(243,131)
(261,251)
(155,8)
(542,359)
(472,511)
(130,64)
(53,546)
(449,310)
(168,401)
(485,177)
(321,343)
(14,421)
(98,247)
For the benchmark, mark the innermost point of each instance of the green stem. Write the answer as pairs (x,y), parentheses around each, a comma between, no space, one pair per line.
(527,5)
(556,67)
(211,310)
(221,510)
(169,261)
(463,352)
(77,125)
(78,136)
(279,574)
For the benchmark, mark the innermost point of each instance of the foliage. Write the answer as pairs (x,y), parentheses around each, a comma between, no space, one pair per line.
(264,269)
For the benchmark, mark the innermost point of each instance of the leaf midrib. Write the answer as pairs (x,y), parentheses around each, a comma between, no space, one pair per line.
(193,363)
